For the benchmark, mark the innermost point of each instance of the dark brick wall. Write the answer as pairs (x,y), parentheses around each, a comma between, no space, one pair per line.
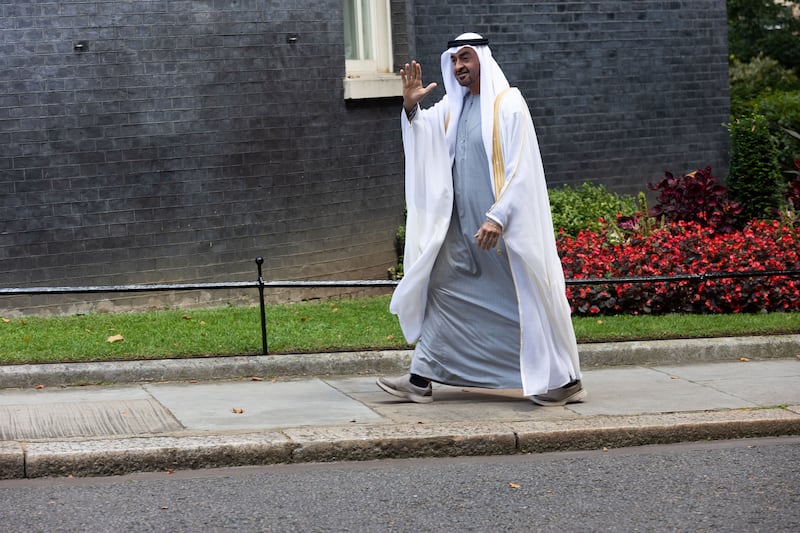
(188,137)
(620,91)
(185,139)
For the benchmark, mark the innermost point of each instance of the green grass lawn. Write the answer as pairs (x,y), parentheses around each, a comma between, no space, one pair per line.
(341,325)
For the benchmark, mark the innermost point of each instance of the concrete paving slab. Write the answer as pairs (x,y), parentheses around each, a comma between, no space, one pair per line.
(353,385)
(451,404)
(50,395)
(215,406)
(763,383)
(445,409)
(85,419)
(752,369)
(766,392)
(628,391)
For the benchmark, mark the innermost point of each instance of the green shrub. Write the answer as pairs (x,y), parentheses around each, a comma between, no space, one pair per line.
(782,110)
(577,208)
(761,76)
(754,176)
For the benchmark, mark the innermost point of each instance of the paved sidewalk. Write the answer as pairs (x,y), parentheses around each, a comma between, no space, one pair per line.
(146,425)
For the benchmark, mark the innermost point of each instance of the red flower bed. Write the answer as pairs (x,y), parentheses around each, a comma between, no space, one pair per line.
(684,248)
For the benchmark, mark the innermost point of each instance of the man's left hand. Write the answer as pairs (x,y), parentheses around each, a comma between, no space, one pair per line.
(488,235)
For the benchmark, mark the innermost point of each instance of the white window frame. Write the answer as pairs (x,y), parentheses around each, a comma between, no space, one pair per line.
(374,78)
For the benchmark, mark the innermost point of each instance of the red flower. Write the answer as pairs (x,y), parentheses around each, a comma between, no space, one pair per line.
(684,248)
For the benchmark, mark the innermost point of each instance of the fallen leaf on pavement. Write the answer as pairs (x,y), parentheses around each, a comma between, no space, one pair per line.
(237,411)
(514,485)
(39,386)
(115,338)
(744,359)
(256,378)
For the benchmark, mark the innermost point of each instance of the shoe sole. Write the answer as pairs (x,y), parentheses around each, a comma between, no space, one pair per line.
(416,398)
(577,397)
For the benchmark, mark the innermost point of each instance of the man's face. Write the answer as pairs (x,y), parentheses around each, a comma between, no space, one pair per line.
(467,69)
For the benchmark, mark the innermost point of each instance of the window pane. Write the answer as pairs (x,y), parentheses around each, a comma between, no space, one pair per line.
(358,30)
(366,27)
(350,29)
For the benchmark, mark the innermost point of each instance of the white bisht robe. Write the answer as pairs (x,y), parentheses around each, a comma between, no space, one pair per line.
(548,350)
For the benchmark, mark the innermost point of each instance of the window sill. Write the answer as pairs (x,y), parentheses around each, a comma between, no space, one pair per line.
(372,85)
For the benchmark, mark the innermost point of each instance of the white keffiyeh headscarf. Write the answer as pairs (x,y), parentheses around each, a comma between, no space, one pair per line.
(492,82)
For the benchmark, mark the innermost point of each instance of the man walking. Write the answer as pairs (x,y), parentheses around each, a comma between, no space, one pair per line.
(483,291)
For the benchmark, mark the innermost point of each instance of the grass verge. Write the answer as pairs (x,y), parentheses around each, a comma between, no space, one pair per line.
(327,326)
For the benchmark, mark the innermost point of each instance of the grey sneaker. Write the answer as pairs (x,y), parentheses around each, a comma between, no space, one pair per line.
(569,393)
(403,388)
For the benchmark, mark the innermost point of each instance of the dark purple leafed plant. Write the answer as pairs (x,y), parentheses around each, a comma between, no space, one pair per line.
(695,197)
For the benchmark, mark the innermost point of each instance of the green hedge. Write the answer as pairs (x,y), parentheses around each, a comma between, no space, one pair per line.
(756,78)
(754,176)
(782,111)
(577,208)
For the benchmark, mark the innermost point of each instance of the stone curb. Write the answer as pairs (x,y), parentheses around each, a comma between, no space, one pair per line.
(115,456)
(680,351)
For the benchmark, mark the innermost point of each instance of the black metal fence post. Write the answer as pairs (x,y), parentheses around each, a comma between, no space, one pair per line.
(259,262)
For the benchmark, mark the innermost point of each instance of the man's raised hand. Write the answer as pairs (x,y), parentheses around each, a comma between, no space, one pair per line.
(413,90)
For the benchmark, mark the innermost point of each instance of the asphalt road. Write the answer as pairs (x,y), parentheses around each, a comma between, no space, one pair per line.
(744,485)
